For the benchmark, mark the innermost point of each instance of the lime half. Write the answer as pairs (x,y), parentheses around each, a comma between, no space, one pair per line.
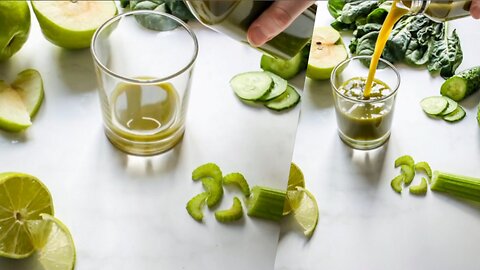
(54,243)
(295,179)
(305,209)
(22,198)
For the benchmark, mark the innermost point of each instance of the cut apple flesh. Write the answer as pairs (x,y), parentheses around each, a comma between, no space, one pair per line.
(326,52)
(29,86)
(76,15)
(13,113)
(325,35)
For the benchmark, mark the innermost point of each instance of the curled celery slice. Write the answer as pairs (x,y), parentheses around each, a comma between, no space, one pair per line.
(404,160)
(422,165)
(396,183)
(408,172)
(214,189)
(234,213)
(239,180)
(195,205)
(207,170)
(420,189)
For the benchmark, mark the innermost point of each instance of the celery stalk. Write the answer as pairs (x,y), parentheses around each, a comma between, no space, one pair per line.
(265,202)
(461,186)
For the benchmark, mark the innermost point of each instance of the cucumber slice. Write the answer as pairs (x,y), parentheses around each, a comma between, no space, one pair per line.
(434,105)
(214,189)
(207,170)
(396,183)
(279,87)
(420,189)
(195,205)
(287,100)
(239,180)
(409,173)
(251,85)
(452,105)
(232,214)
(456,115)
(286,69)
(404,160)
(422,165)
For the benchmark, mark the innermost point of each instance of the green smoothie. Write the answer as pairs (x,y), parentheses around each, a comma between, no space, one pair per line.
(234,17)
(360,118)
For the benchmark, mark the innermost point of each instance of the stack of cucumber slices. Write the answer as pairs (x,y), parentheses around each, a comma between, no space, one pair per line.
(443,107)
(265,88)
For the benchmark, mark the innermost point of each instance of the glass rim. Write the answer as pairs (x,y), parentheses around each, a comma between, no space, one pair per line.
(350,59)
(139,81)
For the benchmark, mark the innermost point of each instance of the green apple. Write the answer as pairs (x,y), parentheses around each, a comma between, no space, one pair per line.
(13,112)
(71,24)
(327,50)
(14,27)
(29,85)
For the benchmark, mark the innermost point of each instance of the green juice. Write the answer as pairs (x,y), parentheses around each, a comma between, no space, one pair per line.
(234,17)
(143,118)
(364,119)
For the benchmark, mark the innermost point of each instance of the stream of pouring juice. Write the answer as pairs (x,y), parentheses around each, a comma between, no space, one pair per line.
(393,16)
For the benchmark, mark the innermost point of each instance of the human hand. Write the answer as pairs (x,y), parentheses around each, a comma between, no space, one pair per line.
(275,19)
(475,9)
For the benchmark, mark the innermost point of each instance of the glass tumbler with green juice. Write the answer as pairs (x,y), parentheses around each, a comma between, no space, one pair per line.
(144,72)
(233,17)
(364,123)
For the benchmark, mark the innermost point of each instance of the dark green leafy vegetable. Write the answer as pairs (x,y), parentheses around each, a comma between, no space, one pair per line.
(415,40)
(152,22)
(446,55)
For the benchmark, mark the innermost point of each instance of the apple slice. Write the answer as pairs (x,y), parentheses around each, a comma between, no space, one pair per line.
(29,86)
(71,24)
(327,51)
(13,113)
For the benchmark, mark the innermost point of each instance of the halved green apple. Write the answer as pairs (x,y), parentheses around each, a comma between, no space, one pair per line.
(327,50)
(13,113)
(29,86)
(71,24)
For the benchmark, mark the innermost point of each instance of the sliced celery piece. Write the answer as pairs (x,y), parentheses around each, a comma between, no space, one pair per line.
(420,189)
(404,160)
(214,189)
(195,205)
(265,202)
(239,180)
(409,174)
(396,183)
(234,213)
(207,170)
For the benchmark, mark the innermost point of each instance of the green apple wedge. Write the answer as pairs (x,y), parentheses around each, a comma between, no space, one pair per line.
(71,24)
(14,116)
(327,50)
(14,27)
(29,85)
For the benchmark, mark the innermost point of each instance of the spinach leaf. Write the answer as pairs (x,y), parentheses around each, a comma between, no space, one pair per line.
(335,7)
(179,9)
(153,22)
(446,54)
(356,9)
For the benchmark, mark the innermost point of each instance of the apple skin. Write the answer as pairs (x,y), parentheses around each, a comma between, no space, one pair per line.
(61,36)
(14,27)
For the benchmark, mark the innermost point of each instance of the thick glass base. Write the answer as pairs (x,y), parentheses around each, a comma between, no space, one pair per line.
(144,148)
(364,145)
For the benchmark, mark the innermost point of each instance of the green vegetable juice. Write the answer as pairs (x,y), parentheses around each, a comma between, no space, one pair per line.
(361,118)
(234,17)
(143,113)
(444,10)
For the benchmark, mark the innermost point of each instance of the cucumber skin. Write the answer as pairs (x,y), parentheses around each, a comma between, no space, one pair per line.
(471,77)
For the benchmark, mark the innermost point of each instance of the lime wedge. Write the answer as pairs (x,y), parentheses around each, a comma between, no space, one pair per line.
(54,243)
(305,209)
(22,198)
(295,179)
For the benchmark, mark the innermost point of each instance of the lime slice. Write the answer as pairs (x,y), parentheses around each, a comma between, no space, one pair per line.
(305,209)
(22,198)
(54,243)
(295,179)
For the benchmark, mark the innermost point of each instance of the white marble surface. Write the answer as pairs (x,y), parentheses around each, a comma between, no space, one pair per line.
(129,212)
(363,223)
